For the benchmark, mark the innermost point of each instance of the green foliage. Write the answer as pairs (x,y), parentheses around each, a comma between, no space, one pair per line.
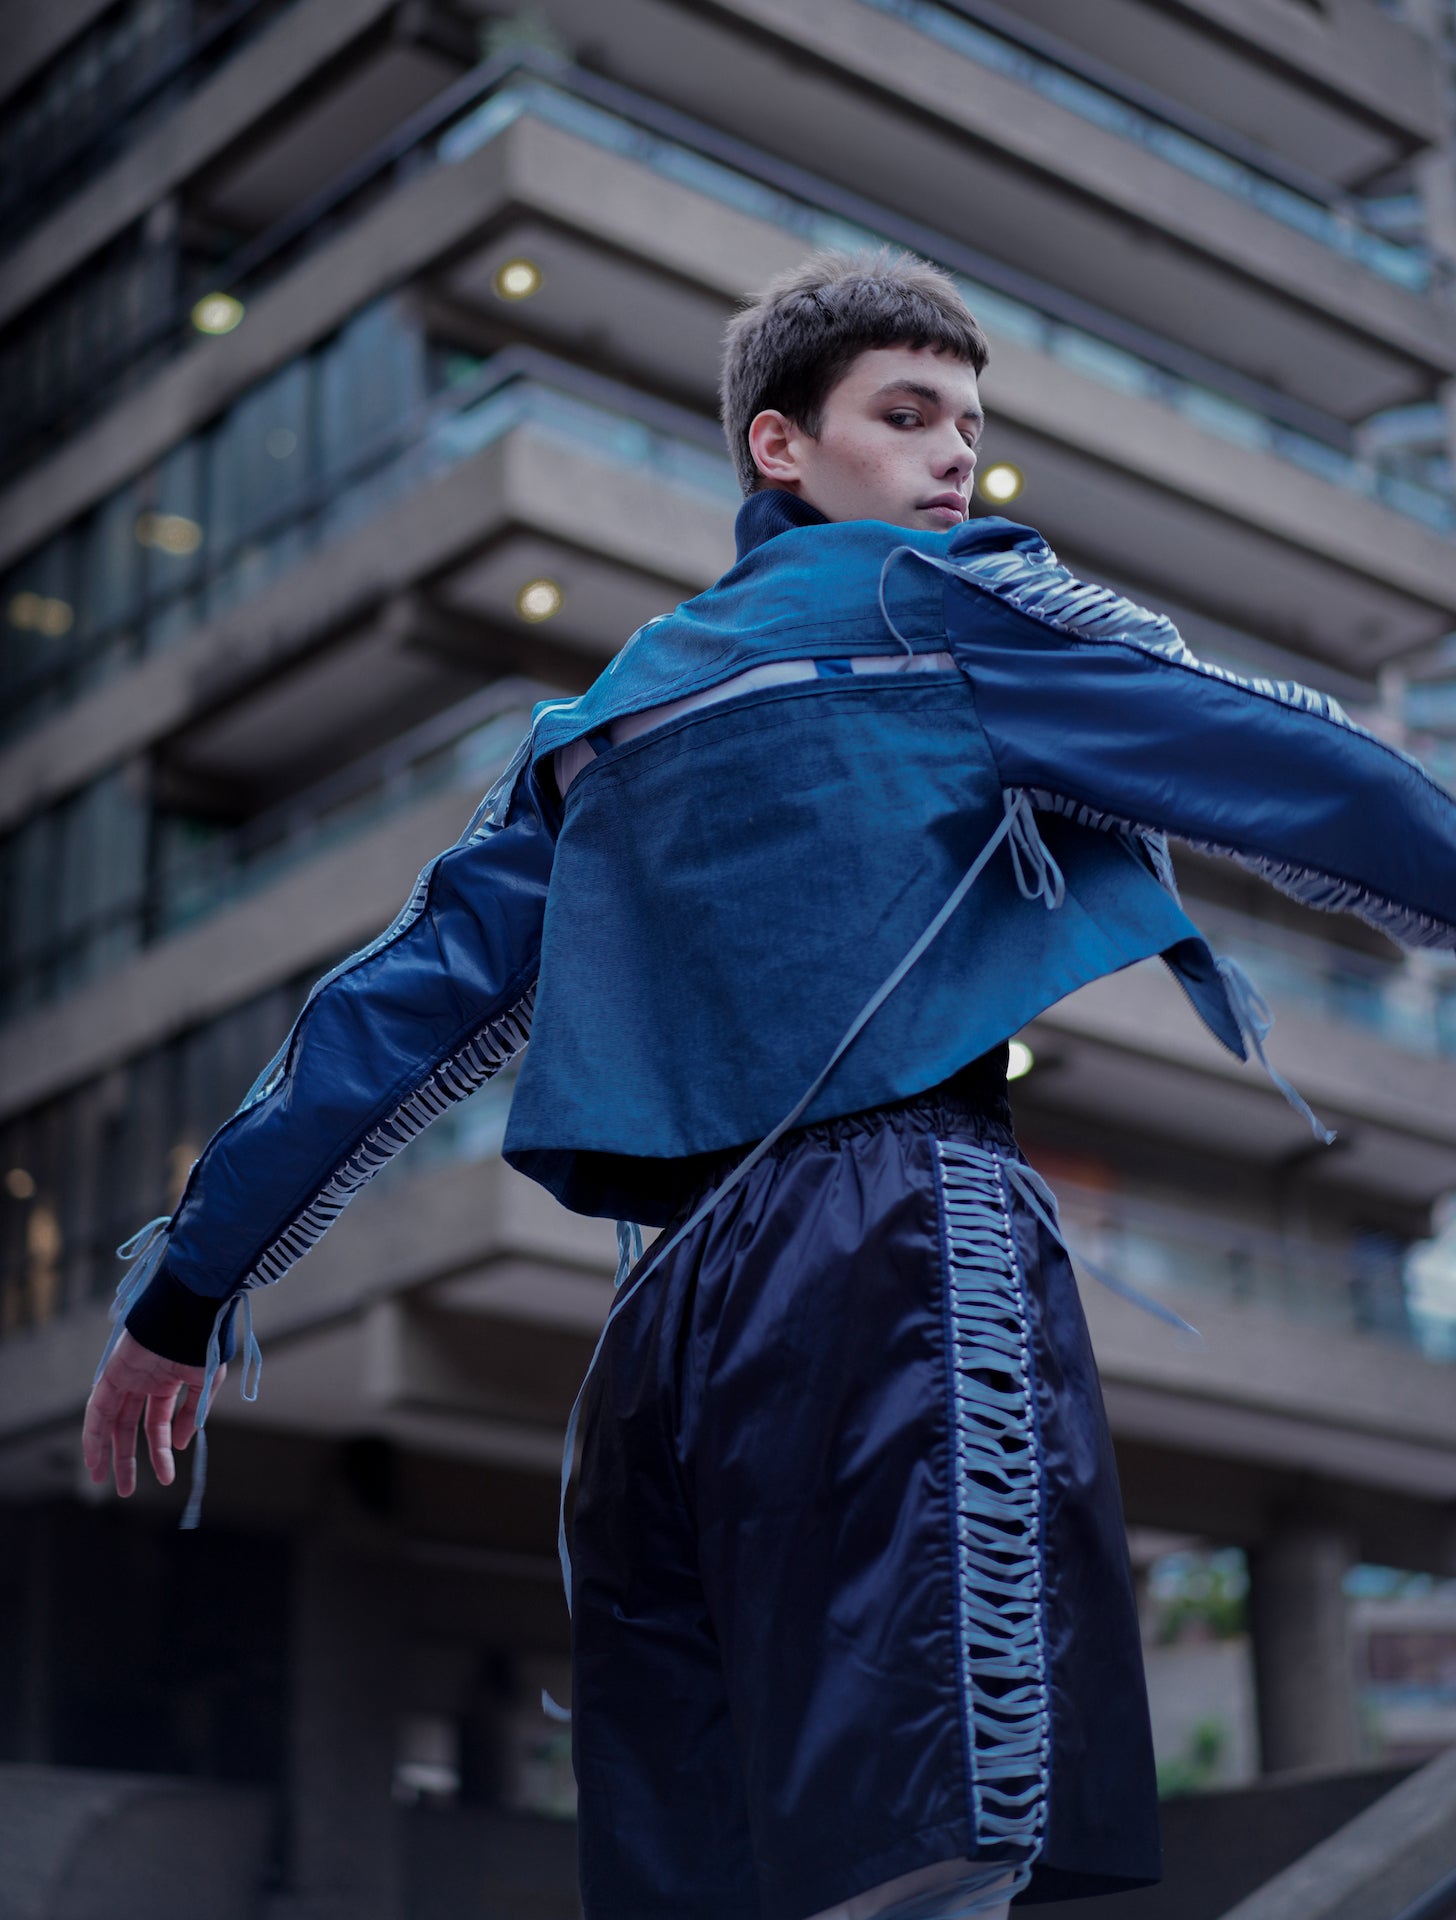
(1197,1767)
(1200,1596)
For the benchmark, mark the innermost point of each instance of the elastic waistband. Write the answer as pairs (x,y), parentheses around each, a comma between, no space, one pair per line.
(941,1110)
(962,1108)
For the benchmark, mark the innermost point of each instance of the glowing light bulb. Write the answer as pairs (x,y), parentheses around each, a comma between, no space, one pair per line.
(1002,482)
(35,613)
(539,600)
(217,313)
(170,533)
(518,279)
(1021,1062)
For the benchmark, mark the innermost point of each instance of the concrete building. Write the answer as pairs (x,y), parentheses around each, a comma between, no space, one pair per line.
(357,369)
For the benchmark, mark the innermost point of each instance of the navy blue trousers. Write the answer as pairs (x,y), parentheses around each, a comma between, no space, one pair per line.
(850,1583)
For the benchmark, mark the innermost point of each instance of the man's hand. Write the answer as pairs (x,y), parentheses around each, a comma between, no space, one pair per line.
(136,1381)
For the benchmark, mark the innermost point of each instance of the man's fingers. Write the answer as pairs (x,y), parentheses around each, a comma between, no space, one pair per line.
(96,1434)
(158,1426)
(123,1444)
(136,1387)
(184,1424)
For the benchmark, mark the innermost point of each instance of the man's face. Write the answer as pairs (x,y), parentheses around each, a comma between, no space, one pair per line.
(897,441)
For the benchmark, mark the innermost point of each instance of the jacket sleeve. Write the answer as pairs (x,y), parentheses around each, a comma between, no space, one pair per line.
(1099,710)
(415,1021)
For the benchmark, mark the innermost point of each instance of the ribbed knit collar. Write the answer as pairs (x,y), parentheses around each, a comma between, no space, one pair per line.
(769,511)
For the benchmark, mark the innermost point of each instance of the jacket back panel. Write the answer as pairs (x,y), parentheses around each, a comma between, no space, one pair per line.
(731,887)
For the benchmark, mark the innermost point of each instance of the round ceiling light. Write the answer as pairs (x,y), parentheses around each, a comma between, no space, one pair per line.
(217,313)
(539,600)
(518,279)
(1002,482)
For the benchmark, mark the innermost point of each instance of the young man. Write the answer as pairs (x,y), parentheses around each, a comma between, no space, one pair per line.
(853,1629)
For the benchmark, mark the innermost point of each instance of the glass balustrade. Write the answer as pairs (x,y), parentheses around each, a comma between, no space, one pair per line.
(328,443)
(141,60)
(1104,360)
(466,747)
(1333,225)
(1106,349)
(91,883)
(1366,1282)
(1408,1002)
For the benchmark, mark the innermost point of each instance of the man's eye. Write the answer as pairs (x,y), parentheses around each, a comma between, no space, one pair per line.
(903,417)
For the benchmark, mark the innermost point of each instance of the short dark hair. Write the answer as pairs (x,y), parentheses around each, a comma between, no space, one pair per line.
(791,345)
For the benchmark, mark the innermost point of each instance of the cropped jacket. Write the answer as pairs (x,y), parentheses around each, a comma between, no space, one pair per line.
(893,870)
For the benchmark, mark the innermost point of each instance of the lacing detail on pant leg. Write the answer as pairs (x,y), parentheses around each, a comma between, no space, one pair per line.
(997,1506)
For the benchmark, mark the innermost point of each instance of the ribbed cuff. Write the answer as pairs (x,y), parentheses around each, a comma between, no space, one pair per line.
(173,1321)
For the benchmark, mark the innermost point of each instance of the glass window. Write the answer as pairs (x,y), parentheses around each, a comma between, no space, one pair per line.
(172,534)
(74,884)
(113,564)
(38,606)
(81,1173)
(30,907)
(373,376)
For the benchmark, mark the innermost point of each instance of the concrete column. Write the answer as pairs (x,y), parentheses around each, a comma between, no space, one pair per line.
(1302,1658)
(341,1821)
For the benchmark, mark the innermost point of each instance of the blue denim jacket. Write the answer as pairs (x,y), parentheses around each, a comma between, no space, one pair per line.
(689,937)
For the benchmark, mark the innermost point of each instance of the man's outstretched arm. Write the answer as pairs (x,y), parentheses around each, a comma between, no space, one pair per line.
(1092,702)
(417,1020)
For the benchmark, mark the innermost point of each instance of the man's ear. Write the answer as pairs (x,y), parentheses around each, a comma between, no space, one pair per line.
(772,438)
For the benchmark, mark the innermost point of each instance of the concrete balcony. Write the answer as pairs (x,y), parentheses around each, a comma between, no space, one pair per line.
(453,1310)
(1138,474)
(1128,1052)
(1343,89)
(341,625)
(1275,1407)
(408,231)
(257,133)
(33,36)
(844,87)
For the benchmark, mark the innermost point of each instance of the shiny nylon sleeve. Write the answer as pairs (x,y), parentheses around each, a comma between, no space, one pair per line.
(416,1020)
(1097,708)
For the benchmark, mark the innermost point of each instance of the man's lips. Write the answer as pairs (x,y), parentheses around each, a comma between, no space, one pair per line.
(954,502)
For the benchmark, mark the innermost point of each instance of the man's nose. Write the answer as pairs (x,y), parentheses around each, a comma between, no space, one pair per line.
(958,459)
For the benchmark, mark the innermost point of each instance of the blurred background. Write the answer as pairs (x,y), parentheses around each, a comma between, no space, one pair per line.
(357,388)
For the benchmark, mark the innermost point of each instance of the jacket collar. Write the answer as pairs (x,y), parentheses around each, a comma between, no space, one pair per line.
(769,511)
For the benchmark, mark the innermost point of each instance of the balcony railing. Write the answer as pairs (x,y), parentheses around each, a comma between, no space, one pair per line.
(99,92)
(1368,1283)
(1101,345)
(195,869)
(210,561)
(1409,1003)
(1161,127)
(1115,355)
(467,745)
